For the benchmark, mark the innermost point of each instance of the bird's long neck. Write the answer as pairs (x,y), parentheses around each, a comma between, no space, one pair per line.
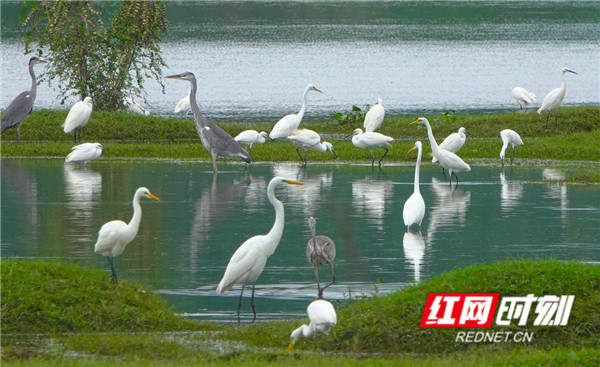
(277,230)
(563,86)
(504,146)
(33,81)
(417,170)
(134,223)
(199,118)
(304,103)
(434,145)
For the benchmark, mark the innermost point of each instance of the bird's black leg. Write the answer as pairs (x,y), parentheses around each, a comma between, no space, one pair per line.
(444,171)
(319,290)
(315,341)
(300,155)
(240,303)
(547,117)
(384,154)
(113,273)
(372,159)
(252,304)
(454,174)
(512,156)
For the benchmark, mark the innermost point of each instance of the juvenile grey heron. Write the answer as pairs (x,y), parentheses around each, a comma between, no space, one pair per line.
(18,110)
(214,139)
(320,251)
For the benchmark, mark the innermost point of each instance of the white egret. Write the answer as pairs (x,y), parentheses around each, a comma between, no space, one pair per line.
(114,236)
(448,160)
(555,97)
(248,261)
(320,250)
(414,207)
(510,139)
(453,142)
(288,124)
(309,139)
(183,106)
(523,97)
(322,318)
(250,137)
(214,139)
(78,116)
(134,107)
(371,140)
(84,153)
(20,107)
(374,117)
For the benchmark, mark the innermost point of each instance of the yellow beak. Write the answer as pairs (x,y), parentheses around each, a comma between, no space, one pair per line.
(293,182)
(410,150)
(289,348)
(152,197)
(414,122)
(318,90)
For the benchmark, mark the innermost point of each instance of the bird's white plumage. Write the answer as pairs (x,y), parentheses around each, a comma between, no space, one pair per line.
(249,137)
(453,142)
(374,117)
(414,207)
(249,260)
(309,139)
(523,96)
(554,98)
(510,139)
(84,153)
(114,236)
(322,318)
(78,115)
(448,160)
(370,140)
(134,107)
(183,106)
(288,124)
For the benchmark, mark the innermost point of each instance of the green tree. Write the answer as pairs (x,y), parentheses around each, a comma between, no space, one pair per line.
(88,58)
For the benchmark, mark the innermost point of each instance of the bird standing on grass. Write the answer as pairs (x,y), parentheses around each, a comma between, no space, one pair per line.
(322,318)
(414,207)
(523,97)
(288,124)
(78,116)
(248,261)
(374,117)
(371,140)
(448,160)
(308,139)
(84,153)
(555,97)
(250,137)
(510,139)
(320,250)
(114,236)
(214,139)
(20,107)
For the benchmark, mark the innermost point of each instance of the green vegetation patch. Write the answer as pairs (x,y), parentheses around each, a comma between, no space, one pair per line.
(50,296)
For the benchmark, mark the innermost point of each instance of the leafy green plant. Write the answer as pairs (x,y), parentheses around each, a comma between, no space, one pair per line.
(356,115)
(89,59)
(450,116)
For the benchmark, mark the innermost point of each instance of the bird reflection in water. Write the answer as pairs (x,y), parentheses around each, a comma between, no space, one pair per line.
(414,250)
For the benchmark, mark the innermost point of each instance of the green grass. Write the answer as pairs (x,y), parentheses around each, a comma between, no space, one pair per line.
(50,297)
(130,135)
(40,296)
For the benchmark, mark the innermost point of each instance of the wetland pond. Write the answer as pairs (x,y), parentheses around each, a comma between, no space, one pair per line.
(53,210)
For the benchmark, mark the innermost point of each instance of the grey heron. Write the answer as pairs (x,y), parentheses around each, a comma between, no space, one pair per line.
(371,140)
(288,124)
(214,139)
(555,97)
(248,261)
(78,116)
(374,117)
(322,318)
(320,250)
(84,153)
(114,236)
(20,107)
(510,139)
(448,160)
(308,139)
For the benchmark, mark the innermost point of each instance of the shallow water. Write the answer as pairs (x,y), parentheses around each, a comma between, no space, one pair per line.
(254,59)
(54,210)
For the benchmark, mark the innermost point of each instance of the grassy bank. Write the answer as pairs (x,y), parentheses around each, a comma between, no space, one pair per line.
(379,331)
(129,135)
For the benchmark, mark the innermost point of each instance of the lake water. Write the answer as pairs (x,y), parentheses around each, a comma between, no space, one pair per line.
(53,210)
(253,59)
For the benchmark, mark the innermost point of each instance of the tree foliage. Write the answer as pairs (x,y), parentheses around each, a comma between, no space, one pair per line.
(88,58)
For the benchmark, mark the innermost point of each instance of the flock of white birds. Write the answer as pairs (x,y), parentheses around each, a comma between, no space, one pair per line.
(247,263)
